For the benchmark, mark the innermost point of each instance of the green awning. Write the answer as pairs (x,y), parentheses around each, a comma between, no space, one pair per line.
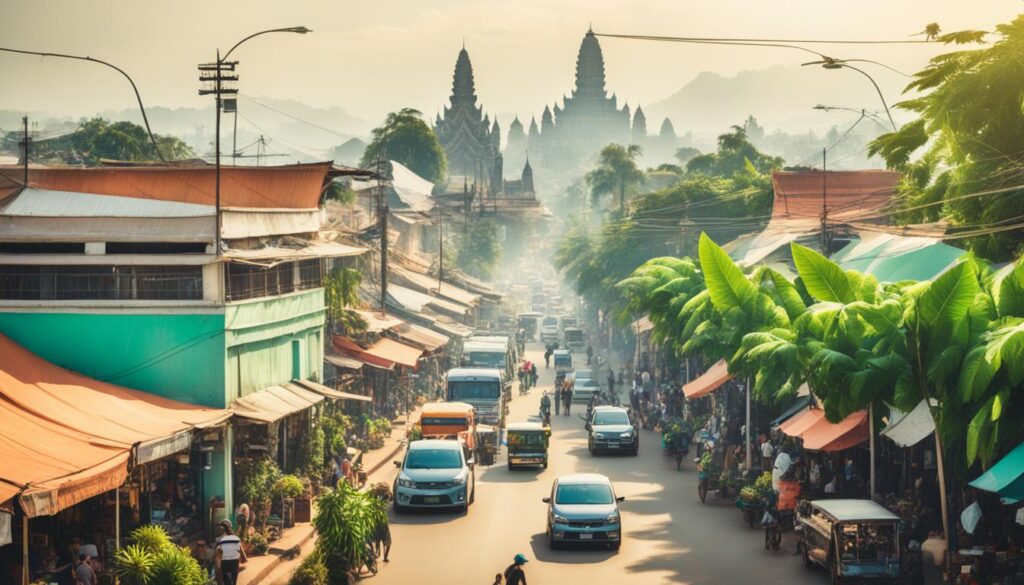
(1005,478)
(894,258)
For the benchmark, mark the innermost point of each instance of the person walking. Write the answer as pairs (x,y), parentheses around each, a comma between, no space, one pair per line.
(514,574)
(590,354)
(533,374)
(611,382)
(568,398)
(228,554)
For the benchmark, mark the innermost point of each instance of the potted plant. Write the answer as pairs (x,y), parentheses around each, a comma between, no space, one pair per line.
(286,489)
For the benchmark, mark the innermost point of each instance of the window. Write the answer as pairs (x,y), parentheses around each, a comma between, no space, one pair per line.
(471,390)
(156,248)
(42,248)
(84,282)
(582,494)
(612,417)
(247,281)
(433,459)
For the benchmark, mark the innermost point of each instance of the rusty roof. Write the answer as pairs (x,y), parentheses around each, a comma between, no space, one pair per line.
(849,194)
(296,186)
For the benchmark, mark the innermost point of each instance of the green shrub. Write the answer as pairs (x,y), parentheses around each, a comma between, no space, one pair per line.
(312,571)
(259,543)
(258,479)
(174,565)
(134,564)
(345,518)
(288,486)
(154,560)
(151,538)
(311,452)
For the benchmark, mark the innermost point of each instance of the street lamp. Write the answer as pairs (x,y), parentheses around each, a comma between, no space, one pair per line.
(138,96)
(831,63)
(214,75)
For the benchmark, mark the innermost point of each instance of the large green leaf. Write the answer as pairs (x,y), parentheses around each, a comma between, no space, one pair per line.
(728,286)
(1006,347)
(947,300)
(978,430)
(975,375)
(1008,290)
(824,279)
(786,293)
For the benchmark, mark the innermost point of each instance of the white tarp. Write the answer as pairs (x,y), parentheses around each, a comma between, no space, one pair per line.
(163,447)
(5,528)
(412,189)
(909,429)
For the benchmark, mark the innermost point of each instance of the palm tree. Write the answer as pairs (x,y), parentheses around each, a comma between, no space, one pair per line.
(616,173)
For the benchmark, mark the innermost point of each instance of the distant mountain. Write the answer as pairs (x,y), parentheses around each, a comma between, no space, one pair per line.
(780,97)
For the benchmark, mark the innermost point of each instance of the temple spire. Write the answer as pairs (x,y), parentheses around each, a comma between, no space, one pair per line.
(590,68)
(463,86)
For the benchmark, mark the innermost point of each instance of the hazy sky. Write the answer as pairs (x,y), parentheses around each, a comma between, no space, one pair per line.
(374,56)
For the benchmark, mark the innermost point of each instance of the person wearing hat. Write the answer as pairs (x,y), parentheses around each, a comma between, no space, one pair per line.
(228,554)
(514,574)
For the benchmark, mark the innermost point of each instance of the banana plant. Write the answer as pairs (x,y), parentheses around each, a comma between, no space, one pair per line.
(660,288)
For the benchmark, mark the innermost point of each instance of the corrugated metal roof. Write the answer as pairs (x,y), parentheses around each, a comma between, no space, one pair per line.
(283,187)
(271,255)
(35,202)
(801,195)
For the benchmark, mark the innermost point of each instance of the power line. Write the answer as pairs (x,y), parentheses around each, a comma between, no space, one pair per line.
(293,117)
(763,40)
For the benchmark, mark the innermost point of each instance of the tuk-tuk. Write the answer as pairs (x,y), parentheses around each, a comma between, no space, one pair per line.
(852,539)
(527,444)
(563,360)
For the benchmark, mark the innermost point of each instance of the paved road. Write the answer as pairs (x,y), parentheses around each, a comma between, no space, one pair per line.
(669,536)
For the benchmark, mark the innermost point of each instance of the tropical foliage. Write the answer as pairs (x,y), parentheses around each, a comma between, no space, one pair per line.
(98,139)
(479,248)
(406,138)
(962,156)
(153,559)
(344,521)
(617,173)
(341,292)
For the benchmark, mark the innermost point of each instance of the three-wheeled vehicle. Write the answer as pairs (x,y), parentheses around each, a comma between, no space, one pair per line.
(852,539)
(563,360)
(527,444)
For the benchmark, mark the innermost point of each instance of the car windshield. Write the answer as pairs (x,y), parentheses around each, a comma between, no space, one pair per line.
(550,321)
(524,438)
(433,459)
(614,417)
(584,494)
(487,359)
(469,390)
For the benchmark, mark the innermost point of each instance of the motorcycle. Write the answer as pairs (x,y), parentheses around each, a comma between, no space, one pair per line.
(772,522)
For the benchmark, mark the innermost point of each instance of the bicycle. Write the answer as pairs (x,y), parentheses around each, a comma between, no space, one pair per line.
(355,572)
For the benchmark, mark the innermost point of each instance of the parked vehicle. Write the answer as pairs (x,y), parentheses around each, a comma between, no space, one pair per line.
(852,539)
(549,329)
(611,430)
(509,341)
(583,508)
(480,387)
(574,339)
(527,444)
(530,322)
(436,473)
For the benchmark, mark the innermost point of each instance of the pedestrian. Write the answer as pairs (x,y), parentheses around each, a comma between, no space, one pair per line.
(611,382)
(547,357)
(814,477)
(514,574)
(228,554)
(533,374)
(497,579)
(521,375)
(67,561)
(767,452)
(590,354)
(568,400)
(84,574)
(558,400)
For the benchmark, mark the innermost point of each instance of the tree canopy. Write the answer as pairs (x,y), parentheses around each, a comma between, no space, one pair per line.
(734,153)
(406,138)
(98,139)
(616,173)
(967,142)
(479,248)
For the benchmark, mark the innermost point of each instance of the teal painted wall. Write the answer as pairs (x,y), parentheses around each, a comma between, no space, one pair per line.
(177,355)
(261,336)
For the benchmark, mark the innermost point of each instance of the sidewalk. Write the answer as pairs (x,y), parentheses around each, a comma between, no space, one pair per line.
(277,566)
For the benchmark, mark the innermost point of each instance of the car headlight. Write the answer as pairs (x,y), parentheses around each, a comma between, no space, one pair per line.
(626,435)
(560,519)
(406,483)
(612,518)
(460,480)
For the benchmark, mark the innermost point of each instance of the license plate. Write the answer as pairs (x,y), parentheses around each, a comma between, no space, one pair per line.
(432,500)
(613,444)
(586,536)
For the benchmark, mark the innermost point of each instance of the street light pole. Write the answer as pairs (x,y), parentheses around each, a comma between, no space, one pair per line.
(830,63)
(215,73)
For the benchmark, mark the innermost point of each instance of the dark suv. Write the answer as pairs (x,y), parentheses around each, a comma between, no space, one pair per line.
(611,430)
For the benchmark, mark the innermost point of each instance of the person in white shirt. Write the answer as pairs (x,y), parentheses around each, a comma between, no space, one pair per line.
(782,463)
(767,451)
(229,554)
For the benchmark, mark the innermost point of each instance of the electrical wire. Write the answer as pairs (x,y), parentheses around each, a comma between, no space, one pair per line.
(806,41)
(293,117)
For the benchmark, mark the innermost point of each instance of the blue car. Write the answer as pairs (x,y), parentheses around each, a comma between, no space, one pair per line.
(435,474)
(583,509)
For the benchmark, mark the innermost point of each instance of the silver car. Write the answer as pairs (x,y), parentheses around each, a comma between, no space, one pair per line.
(435,474)
(584,509)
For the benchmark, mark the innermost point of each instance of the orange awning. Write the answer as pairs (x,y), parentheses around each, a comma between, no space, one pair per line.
(65,437)
(395,351)
(348,347)
(708,382)
(826,436)
(796,426)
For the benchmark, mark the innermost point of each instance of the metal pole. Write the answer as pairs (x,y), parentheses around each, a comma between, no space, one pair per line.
(824,202)
(216,148)
(440,251)
(117,525)
(24,550)
(871,446)
(382,211)
(748,452)
(24,122)
(234,137)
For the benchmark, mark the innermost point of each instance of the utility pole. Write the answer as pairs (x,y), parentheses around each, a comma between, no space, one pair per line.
(214,75)
(26,142)
(440,250)
(382,216)
(824,203)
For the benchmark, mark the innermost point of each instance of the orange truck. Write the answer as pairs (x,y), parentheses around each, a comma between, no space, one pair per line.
(444,420)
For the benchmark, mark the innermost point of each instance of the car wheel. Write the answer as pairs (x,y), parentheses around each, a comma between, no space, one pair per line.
(552,544)
(511,466)
(617,545)
(545,463)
